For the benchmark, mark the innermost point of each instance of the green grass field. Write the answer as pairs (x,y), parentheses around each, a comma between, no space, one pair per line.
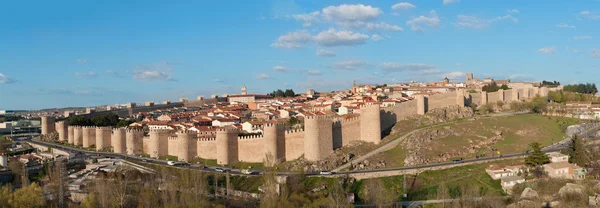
(425,185)
(517,133)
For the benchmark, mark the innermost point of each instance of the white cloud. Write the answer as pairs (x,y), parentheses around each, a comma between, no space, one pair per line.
(465,21)
(454,75)
(263,76)
(513,11)
(281,69)
(505,17)
(314,72)
(595,53)
(376,37)
(332,37)
(349,14)
(307,19)
(547,50)
(564,25)
(349,65)
(417,23)
(403,5)
(582,38)
(446,2)
(82,60)
(382,26)
(6,80)
(152,76)
(292,39)
(85,75)
(325,53)
(398,67)
(590,15)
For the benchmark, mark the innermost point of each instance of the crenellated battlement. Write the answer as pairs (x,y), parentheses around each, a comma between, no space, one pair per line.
(62,122)
(160,130)
(250,137)
(206,139)
(119,130)
(104,127)
(294,131)
(318,117)
(172,138)
(275,124)
(370,106)
(133,130)
(185,132)
(227,129)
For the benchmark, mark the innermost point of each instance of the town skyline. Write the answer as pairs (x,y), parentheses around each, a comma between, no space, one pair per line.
(117,53)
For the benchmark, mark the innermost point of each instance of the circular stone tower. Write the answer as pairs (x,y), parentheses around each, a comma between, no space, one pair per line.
(103,137)
(274,134)
(89,136)
(370,123)
(133,144)
(318,137)
(184,138)
(47,125)
(158,143)
(226,145)
(118,140)
(78,135)
(71,135)
(62,129)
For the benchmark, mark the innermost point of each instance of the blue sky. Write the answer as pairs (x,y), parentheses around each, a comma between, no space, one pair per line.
(74,53)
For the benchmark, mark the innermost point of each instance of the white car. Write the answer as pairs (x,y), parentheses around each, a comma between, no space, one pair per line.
(326,173)
(219,170)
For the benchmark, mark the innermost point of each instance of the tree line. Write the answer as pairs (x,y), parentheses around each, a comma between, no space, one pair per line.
(588,88)
(103,120)
(550,84)
(493,87)
(281,93)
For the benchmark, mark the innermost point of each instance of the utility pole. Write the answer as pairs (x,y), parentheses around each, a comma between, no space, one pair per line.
(405,194)
(61,185)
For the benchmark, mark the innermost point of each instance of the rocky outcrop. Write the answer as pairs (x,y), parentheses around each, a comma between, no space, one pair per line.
(529,193)
(571,188)
(439,115)
(421,144)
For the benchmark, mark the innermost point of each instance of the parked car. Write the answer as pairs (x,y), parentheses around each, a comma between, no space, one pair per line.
(326,172)
(219,170)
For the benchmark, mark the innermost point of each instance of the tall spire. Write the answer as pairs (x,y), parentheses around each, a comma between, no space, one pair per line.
(244,90)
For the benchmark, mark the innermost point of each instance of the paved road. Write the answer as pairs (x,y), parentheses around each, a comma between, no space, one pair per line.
(396,141)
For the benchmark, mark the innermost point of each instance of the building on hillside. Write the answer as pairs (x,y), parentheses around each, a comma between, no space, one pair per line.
(565,170)
(347,110)
(220,122)
(164,117)
(247,98)
(557,157)
(509,182)
(253,126)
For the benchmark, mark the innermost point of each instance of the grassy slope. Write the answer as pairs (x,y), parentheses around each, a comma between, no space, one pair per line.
(534,128)
(425,185)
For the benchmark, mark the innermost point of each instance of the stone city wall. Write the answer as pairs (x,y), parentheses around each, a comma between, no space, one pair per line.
(392,114)
(321,135)
(441,100)
(345,131)
(206,148)
(294,144)
(493,97)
